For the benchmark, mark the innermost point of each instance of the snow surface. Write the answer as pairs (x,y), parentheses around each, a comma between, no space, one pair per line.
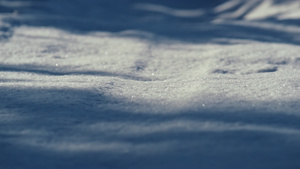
(149,84)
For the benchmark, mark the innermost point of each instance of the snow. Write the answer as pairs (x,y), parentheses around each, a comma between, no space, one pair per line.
(149,84)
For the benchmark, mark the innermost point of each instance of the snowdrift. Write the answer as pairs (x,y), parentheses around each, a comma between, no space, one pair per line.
(149,84)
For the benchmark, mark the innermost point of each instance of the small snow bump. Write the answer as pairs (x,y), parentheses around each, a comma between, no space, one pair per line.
(221,71)
(279,62)
(268,70)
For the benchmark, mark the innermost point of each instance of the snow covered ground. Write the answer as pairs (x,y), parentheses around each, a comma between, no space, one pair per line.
(149,84)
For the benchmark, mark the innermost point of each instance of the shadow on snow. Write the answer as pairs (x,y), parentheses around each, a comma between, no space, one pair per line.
(59,128)
(161,18)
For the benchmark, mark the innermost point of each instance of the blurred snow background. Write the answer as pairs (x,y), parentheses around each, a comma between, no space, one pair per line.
(149,84)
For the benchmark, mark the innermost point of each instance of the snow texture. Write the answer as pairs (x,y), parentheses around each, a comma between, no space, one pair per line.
(161,84)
